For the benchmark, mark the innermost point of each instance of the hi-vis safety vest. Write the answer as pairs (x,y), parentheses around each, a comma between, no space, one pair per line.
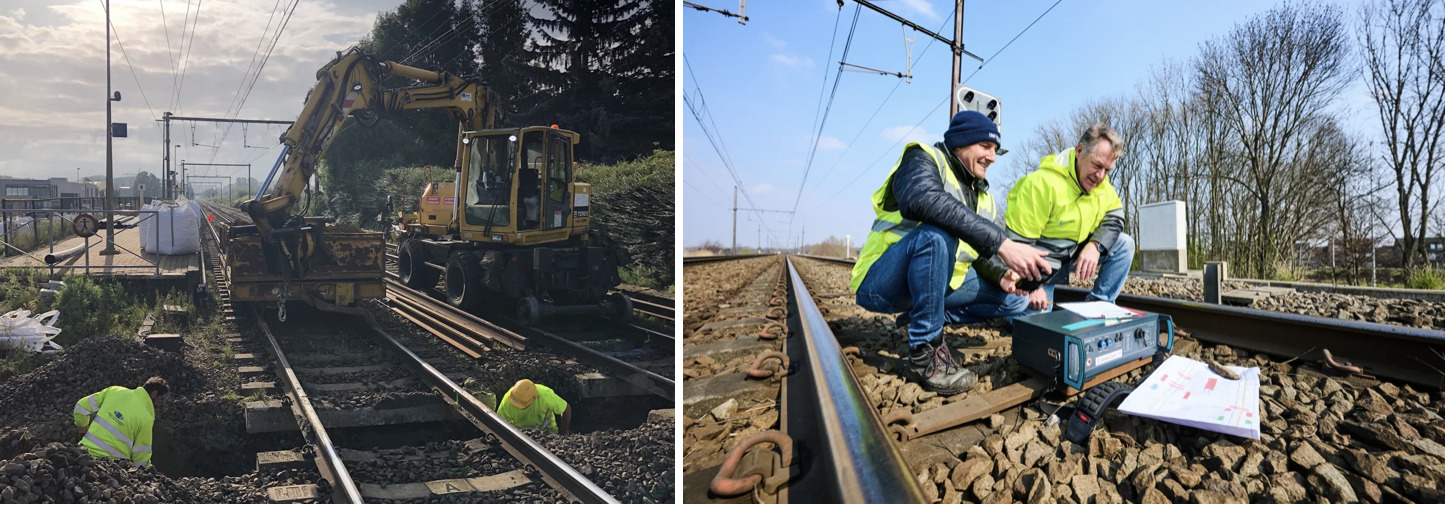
(119,422)
(890,226)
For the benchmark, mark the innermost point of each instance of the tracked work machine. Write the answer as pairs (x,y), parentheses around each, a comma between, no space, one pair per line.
(510,229)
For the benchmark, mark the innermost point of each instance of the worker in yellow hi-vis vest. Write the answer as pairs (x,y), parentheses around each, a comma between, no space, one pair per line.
(532,406)
(116,422)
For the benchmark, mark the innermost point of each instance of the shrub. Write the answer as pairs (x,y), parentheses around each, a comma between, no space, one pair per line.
(90,308)
(632,206)
(1425,278)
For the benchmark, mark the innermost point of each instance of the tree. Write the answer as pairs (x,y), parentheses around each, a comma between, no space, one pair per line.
(503,57)
(1401,44)
(608,71)
(150,181)
(1269,81)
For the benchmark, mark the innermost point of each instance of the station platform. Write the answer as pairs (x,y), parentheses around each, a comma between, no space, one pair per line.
(128,262)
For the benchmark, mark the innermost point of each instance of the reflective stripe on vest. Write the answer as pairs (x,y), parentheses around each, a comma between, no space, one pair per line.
(890,226)
(105,447)
(100,420)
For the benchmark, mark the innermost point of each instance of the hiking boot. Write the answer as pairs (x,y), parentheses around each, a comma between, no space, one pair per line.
(937,371)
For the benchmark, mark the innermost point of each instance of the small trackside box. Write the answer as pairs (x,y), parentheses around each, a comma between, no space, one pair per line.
(1075,349)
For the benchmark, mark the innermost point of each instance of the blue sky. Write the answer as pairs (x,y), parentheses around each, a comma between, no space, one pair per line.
(761,84)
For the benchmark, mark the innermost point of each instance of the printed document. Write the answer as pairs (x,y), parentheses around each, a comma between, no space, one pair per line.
(1186,392)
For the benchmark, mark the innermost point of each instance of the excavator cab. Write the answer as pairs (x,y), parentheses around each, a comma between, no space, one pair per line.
(517,230)
(518,186)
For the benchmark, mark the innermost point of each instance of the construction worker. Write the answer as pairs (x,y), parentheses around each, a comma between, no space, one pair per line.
(116,422)
(532,406)
(1068,208)
(934,217)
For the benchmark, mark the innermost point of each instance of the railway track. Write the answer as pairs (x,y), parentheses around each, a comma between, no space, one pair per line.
(640,356)
(647,304)
(844,431)
(329,376)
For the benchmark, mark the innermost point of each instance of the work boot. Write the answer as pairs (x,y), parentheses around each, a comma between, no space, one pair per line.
(937,370)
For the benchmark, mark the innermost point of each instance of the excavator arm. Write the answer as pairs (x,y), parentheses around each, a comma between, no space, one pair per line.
(348,86)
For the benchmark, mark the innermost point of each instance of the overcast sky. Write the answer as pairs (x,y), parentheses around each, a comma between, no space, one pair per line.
(53,79)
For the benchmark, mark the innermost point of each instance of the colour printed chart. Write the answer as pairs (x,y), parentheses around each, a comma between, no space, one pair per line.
(1186,392)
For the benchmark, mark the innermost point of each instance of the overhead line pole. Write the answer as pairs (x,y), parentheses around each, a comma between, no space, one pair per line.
(168,117)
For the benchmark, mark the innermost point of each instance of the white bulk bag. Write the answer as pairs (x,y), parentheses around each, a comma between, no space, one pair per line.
(180,228)
(19,330)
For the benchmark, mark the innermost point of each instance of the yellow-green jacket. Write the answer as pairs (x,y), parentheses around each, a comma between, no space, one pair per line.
(119,422)
(1049,207)
(541,414)
(890,225)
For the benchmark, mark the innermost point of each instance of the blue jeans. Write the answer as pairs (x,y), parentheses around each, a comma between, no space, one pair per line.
(913,276)
(1110,279)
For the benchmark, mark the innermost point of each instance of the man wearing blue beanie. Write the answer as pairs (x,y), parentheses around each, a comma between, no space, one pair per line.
(934,218)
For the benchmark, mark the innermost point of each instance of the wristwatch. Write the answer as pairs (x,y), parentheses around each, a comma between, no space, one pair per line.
(1099,247)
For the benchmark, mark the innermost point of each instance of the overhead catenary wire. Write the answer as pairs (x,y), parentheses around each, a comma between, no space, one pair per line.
(169,53)
(186,60)
(892,147)
(850,145)
(817,126)
(257,76)
(127,57)
(699,110)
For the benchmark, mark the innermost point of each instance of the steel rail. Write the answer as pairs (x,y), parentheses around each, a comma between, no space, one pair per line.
(652,305)
(555,471)
(1397,352)
(720,258)
(647,381)
(458,320)
(832,420)
(341,479)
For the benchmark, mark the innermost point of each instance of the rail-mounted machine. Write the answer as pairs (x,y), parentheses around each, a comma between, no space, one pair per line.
(510,228)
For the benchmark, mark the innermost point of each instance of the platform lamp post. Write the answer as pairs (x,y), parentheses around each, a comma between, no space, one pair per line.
(109,141)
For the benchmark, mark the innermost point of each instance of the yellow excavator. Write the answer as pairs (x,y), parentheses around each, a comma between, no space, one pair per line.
(510,228)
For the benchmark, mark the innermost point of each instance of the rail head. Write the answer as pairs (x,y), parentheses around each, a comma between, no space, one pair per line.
(859,462)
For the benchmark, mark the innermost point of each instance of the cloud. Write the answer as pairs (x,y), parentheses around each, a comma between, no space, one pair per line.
(908,134)
(55,121)
(774,42)
(827,143)
(922,7)
(761,189)
(789,60)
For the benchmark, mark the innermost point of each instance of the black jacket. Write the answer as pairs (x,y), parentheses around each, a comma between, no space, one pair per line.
(917,192)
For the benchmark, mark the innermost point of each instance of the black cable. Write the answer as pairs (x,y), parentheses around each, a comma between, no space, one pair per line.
(719,146)
(850,145)
(819,133)
(133,72)
(936,107)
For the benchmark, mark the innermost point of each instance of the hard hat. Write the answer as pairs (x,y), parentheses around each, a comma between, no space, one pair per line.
(522,394)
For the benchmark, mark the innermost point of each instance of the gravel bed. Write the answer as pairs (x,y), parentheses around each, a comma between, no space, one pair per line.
(708,285)
(1406,312)
(1324,439)
(40,460)
(463,462)
(635,466)
(67,473)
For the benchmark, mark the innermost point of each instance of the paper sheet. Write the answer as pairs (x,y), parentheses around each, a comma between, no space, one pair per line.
(1098,309)
(1186,392)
